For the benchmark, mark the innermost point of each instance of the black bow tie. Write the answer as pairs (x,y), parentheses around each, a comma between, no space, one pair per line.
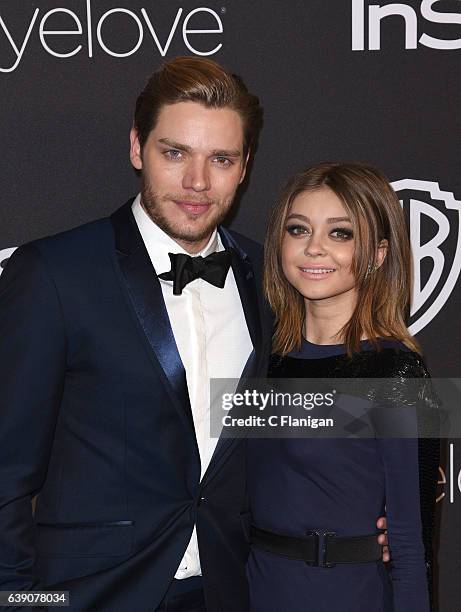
(184,269)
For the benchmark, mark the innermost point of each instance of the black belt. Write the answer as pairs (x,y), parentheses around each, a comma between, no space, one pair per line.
(319,548)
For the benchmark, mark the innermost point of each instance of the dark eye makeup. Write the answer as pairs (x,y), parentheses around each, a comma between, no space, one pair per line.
(343,233)
(340,233)
(296,230)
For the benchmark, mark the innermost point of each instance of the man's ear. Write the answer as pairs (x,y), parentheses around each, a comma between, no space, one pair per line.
(135,149)
(244,168)
(381,252)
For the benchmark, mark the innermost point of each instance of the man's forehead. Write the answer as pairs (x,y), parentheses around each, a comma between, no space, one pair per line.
(189,108)
(195,124)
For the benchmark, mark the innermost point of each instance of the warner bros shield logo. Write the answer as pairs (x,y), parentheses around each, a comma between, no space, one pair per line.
(5,254)
(434,219)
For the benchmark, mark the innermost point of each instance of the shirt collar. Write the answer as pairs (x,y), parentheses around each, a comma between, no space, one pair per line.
(159,244)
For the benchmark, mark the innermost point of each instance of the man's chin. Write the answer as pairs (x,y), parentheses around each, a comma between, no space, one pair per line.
(184,226)
(193,228)
(192,236)
(188,232)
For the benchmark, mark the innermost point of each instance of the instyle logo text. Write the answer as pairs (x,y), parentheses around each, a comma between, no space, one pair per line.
(369,38)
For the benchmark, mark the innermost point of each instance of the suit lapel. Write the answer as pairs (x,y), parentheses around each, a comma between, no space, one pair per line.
(145,294)
(246,284)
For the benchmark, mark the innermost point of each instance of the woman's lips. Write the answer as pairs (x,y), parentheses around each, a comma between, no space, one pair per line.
(313,273)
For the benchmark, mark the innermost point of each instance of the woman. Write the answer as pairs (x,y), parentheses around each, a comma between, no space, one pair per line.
(338,277)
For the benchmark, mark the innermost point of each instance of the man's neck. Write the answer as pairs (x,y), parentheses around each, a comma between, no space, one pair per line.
(192,247)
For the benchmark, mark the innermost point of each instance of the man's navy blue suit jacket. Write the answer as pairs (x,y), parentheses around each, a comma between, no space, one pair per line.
(95,419)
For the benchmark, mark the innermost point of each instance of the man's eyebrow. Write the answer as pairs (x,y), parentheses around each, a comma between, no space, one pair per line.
(329,220)
(226,153)
(175,145)
(216,152)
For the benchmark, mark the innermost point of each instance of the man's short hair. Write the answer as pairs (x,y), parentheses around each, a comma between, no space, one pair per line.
(197,80)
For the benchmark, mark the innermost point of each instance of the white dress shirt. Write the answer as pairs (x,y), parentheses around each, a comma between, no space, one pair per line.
(212,337)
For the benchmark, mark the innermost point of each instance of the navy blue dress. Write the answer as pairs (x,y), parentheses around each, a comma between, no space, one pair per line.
(341,485)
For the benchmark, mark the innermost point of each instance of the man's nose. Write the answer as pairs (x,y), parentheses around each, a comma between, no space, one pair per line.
(197,176)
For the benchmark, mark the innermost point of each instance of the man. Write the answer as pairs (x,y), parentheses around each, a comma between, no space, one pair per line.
(109,336)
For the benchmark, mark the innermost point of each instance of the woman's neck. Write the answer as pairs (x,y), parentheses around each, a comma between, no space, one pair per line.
(325,318)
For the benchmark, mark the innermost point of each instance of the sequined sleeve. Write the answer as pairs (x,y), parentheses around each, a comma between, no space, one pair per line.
(406,366)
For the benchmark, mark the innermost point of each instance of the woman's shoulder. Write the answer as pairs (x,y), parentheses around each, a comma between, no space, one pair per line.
(390,359)
(395,360)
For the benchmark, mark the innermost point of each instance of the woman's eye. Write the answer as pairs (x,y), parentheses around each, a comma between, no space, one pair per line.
(297,230)
(342,233)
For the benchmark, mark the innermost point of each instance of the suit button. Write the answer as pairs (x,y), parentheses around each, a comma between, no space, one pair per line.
(201,500)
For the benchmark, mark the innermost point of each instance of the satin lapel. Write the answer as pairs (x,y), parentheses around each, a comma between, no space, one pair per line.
(246,284)
(145,293)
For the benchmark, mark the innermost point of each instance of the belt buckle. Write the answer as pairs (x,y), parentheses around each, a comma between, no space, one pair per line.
(321,538)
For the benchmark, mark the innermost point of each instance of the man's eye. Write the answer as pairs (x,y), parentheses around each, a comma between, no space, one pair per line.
(223,161)
(297,230)
(173,154)
(343,233)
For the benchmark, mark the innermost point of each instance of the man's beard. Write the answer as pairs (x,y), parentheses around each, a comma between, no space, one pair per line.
(186,231)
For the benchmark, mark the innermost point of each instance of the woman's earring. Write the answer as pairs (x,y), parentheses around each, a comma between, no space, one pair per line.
(371,269)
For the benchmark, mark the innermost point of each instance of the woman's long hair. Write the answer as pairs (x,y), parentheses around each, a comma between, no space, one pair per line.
(384,293)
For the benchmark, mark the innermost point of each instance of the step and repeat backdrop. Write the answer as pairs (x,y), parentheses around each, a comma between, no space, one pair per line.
(342,80)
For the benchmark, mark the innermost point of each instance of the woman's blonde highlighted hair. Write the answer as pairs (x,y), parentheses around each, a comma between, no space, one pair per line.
(384,293)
